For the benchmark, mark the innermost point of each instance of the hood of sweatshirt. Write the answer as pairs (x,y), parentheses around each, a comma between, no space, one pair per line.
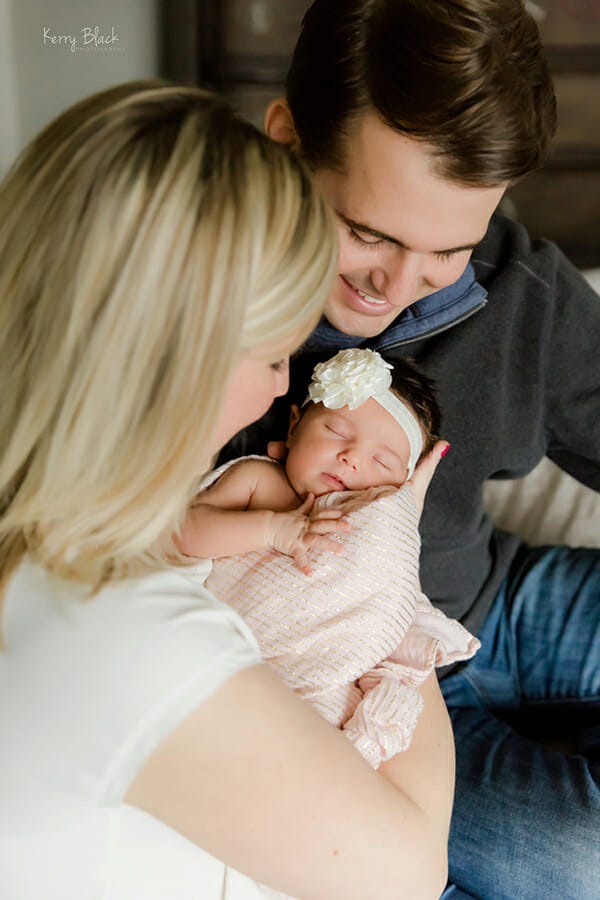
(422,319)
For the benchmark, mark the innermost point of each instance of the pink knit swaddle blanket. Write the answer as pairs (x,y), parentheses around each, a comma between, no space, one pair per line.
(357,636)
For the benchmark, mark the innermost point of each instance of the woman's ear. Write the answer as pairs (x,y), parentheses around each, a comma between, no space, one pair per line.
(295,416)
(279,124)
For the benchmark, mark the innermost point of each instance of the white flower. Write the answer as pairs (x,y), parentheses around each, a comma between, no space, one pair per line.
(349,378)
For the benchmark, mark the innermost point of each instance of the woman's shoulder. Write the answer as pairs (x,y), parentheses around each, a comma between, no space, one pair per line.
(89,689)
(120,671)
(38,602)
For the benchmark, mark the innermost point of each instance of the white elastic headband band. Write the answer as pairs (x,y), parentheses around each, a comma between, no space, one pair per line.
(353,376)
(405,417)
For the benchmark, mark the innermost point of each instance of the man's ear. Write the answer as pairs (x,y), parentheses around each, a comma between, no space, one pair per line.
(279,124)
(295,417)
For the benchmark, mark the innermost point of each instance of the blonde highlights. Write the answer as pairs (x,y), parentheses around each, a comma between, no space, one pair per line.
(148,238)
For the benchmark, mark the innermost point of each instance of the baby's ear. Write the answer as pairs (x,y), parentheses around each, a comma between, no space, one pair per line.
(295,416)
(277,450)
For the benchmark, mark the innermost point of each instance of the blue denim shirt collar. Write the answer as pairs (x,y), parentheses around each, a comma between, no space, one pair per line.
(433,313)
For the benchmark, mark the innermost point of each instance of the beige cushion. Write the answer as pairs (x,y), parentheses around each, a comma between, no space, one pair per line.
(548,506)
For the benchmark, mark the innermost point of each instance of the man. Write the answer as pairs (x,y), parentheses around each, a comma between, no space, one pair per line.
(415,116)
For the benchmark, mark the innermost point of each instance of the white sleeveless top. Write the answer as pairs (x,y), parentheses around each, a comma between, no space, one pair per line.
(88,689)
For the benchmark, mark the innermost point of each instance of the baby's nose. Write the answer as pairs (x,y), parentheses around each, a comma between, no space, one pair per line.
(350,458)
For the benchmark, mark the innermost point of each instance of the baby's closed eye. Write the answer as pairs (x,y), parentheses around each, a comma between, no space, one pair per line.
(383,462)
(337,431)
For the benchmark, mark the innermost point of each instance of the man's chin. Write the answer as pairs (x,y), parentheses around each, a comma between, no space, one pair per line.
(356,325)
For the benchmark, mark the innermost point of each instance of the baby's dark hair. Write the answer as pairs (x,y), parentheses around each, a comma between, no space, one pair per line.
(416,390)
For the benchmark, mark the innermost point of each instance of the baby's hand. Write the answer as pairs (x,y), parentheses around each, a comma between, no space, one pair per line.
(296,532)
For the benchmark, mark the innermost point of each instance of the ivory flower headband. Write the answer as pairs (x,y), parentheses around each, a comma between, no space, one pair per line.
(353,376)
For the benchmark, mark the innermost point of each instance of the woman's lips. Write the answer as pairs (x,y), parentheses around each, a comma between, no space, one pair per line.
(360,304)
(334,482)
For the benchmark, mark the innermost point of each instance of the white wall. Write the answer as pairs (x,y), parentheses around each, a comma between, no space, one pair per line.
(9,118)
(39,78)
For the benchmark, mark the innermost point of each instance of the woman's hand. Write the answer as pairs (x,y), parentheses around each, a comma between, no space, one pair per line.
(297,531)
(425,472)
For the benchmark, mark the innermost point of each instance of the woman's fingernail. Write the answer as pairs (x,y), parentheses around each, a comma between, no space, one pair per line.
(444,451)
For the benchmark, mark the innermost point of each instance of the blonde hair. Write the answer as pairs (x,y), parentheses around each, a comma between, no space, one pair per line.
(148,238)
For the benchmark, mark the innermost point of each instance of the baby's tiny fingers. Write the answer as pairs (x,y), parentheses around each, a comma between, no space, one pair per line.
(328,514)
(306,507)
(319,542)
(328,526)
(301,560)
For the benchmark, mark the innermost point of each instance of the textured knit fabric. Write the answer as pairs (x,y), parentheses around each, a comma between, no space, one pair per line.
(88,689)
(517,378)
(357,636)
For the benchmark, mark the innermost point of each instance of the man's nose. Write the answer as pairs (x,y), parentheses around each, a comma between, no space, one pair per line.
(399,281)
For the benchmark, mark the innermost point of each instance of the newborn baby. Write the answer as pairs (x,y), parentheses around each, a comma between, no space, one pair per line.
(350,631)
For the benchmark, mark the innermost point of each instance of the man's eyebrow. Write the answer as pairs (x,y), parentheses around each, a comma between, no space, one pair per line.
(380,235)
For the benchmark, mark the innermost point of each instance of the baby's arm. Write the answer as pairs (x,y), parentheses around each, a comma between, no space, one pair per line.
(248,509)
(221,522)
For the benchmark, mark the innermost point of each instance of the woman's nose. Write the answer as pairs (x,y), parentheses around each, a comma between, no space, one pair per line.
(282,382)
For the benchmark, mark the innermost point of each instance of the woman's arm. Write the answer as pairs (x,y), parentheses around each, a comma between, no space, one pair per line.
(426,769)
(258,779)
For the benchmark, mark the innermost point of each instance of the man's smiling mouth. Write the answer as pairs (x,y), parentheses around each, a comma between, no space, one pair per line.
(362,302)
(370,299)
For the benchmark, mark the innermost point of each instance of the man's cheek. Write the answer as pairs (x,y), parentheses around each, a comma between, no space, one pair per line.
(349,257)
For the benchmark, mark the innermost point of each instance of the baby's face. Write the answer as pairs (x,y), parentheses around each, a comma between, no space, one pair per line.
(343,449)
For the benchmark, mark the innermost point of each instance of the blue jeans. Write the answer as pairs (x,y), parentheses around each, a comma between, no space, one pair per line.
(526,821)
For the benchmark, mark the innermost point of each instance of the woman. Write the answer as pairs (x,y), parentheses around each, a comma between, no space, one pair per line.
(159,260)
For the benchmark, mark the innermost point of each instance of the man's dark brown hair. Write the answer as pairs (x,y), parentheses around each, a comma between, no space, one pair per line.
(467,77)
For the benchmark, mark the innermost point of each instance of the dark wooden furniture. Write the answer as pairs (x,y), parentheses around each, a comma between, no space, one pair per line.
(242,47)
(562,201)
